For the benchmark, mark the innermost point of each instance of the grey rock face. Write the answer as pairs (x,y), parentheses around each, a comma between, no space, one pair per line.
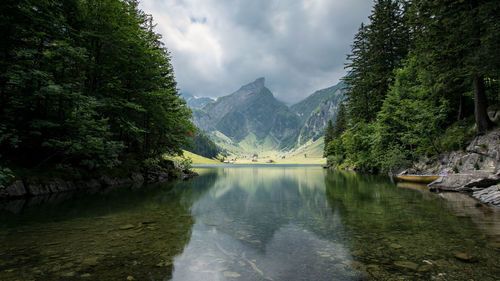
(316,110)
(250,110)
(16,189)
(478,169)
(490,195)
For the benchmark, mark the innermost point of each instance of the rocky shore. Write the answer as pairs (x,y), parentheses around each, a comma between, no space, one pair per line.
(475,170)
(38,191)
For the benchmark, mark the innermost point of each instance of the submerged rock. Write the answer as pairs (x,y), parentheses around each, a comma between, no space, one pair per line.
(127,227)
(90,261)
(407,265)
(465,257)
(395,246)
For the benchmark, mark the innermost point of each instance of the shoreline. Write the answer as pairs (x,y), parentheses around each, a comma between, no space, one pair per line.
(29,188)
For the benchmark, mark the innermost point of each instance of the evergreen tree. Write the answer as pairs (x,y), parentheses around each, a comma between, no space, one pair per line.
(85,84)
(340,122)
(203,145)
(328,136)
(377,50)
(456,45)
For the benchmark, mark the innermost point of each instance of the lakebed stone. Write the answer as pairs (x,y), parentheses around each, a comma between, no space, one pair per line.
(406,265)
(465,257)
(127,227)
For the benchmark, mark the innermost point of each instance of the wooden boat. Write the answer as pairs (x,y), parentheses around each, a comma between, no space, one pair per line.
(418,178)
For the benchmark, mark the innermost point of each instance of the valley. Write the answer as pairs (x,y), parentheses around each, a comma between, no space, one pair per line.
(252,122)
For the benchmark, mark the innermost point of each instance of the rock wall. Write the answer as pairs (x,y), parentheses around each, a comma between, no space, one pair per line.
(475,170)
(34,187)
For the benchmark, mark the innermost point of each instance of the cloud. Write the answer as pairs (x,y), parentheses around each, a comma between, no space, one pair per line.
(218,45)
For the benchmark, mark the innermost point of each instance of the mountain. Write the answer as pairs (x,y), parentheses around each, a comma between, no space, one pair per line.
(315,111)
(195,102)
(249,119)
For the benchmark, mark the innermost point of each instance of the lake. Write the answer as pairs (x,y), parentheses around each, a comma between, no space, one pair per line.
(253,223)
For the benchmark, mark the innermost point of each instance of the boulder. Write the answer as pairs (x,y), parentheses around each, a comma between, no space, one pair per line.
(57,185)
(483,182)
(490,195)
(16,189)
(451,182)
(464,182)
(406,265)
(137,177)
(108,181)
(36,188)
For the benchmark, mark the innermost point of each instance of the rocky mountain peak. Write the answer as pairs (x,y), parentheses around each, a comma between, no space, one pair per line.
(256,85)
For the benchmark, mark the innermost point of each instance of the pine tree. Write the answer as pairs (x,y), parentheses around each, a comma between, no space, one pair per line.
(456,43)
(328,135)
(377,50)
(84,83)
(340,122)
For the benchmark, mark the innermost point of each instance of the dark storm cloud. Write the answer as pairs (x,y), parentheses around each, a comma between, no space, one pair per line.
(299,46)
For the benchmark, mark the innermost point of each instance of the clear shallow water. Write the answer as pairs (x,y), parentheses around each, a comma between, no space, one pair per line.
(255,223)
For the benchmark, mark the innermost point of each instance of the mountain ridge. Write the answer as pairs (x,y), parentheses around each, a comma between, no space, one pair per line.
(250,112)
(252,119)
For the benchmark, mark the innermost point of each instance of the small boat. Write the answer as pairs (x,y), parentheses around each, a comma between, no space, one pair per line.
(418,178)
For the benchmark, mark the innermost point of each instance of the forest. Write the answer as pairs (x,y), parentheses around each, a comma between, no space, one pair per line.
(422,77)
(86,86)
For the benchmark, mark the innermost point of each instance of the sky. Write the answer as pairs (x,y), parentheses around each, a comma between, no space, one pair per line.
(217,46)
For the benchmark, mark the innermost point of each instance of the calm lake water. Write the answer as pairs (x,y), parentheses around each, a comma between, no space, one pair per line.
(254,223)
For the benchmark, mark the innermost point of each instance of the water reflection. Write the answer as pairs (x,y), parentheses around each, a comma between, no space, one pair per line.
(266,224)
(410,233)
(255,223)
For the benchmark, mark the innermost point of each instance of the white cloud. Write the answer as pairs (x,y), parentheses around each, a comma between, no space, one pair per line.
(217,46)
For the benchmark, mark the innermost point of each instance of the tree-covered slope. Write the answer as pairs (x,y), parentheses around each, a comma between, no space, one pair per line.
(85,85)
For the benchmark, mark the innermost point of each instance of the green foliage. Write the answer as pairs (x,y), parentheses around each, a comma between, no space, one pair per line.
(416,69)
(456,43)
(455,169)
(159,164)
(203,145)
(458,135)
(84,83)
(184,163)
(409,117)
(6,176)
(328,135)
(359,144)
(340,122)
(377,50)
(394,158)
(476,166)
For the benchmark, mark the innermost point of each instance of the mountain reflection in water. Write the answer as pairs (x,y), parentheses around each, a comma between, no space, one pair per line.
(254,223)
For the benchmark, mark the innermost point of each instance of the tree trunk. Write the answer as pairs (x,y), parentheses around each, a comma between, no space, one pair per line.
(460,108)
(483,122)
